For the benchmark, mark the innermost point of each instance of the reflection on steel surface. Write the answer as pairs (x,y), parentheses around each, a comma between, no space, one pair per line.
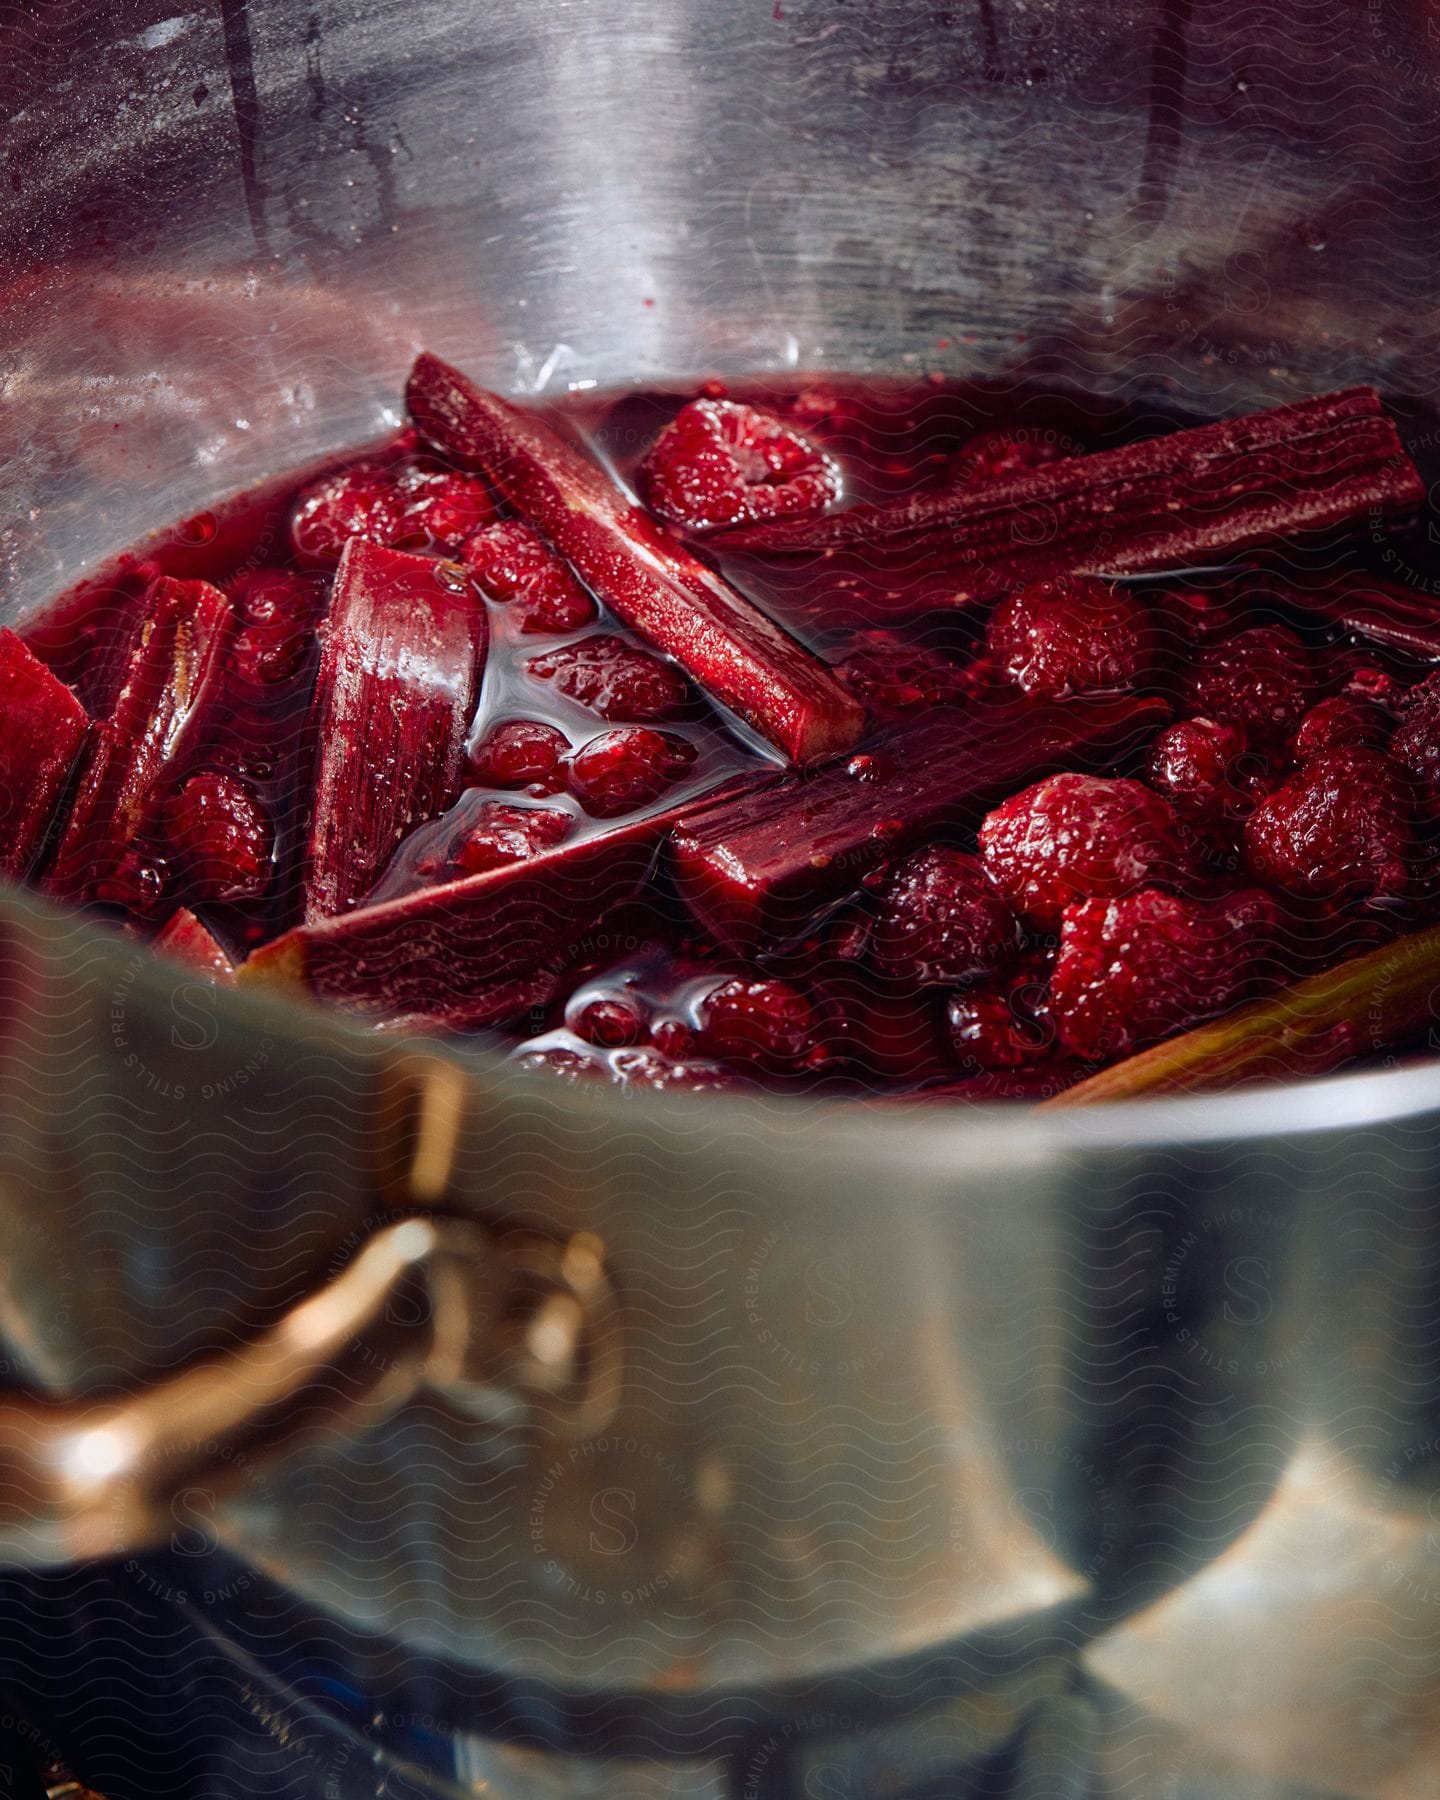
(1311,1649)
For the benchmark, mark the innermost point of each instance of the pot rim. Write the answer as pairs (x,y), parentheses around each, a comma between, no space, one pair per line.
(918,1132)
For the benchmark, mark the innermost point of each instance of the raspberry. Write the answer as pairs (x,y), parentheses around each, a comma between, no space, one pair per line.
(442,505)
(1134,969)
(673,1038)
(361,501)
(942,921)
(278,610)
(1263,679)
(135,883)
(1072,636)
(987,1030)
(412,504)
(613,1023)
(720,463)
(621,770)
(613,678)
(1205,769)
(521,753)
(1003,1023)
(767,1022)
(997,455)
(1336,827)
(893,677)
(275,597)
(1366,682)
(1073,837)
(1416,743)
(514,565)
(497,835)
(222,837)
(1338,723)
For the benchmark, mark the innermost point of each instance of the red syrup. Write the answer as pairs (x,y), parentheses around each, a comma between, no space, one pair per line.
(719,947)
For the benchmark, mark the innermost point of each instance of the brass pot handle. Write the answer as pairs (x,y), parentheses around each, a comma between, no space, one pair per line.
(498,1322)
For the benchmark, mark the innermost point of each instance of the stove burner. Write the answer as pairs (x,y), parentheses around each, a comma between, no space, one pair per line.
(151,1702)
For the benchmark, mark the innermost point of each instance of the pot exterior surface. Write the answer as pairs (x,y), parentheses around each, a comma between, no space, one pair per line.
(889,1377)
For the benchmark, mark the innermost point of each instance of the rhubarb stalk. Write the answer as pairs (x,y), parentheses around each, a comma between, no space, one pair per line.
(171,693)
(1380,611)
(399,675)
(476,951)
(1165,503)
(761,865)
(1363,1005)
(42,726)
(650,581)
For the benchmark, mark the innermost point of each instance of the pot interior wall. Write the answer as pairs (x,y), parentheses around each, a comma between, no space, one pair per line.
(227,230)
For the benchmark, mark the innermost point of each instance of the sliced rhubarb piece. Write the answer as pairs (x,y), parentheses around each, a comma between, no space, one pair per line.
(399,675)
(673,600)
(1164,503)
(761,865)
(171,692)
(186,940)
(1380,611)
(42,726)
(472,952)
(1363,1006)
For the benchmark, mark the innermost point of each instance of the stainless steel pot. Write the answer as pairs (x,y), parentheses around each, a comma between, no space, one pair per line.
(679,1394)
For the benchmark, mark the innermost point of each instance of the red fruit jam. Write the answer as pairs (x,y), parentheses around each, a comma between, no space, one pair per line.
(833,774)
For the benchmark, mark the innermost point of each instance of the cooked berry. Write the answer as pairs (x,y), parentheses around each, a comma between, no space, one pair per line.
(222,837)
(719,463)
(986,1030)
(1365,682)
(136,882)
(1338,723)
(621,770)
(673,1038)
(413,504)
(275,596)
(1072,636)
(613,678)
(1416,741)
(1137,968)
(611,1024)
(497,834)
(942,920)
(894,677)
(278,611)
(520,753)
(514,565)
(1338,826)
(442,505)
(361,501)
(765,1021)
(265,655)
(1263,678)
(1206,770)
(1074,837)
